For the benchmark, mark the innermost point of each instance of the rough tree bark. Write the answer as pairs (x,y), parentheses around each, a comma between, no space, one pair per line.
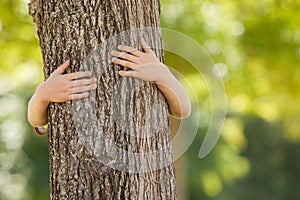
(83,162)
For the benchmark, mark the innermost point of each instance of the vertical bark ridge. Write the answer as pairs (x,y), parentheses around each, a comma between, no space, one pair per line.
(70,30)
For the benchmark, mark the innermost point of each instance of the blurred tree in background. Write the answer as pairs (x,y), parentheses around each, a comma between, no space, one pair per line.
(23,156)
(256,47)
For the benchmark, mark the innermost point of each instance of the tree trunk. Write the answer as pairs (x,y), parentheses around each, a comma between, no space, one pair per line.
(116,143)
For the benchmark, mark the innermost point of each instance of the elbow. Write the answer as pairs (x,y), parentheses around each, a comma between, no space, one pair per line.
(185,112)
(30,117)
(36,115)
(182,115)
(30,120)
(34,122)
(186,109)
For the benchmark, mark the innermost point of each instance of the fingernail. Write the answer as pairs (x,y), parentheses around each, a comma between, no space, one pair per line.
(121,73)
(120,46)
(113,59)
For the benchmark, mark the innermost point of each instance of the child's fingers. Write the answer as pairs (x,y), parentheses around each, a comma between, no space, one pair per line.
(78,96)
(130,50)
(78,75)
(145,46)
(83,89)
(83,82)
(129,73)
(124,56)
(62,68)
(123,63)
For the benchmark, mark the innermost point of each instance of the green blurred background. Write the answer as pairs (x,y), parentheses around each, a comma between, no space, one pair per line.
(256,46)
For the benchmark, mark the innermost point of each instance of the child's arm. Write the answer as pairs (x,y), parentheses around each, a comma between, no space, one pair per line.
(147,67)
(58,87)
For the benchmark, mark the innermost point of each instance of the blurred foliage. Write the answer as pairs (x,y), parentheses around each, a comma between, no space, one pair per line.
(23,156)
(255,45)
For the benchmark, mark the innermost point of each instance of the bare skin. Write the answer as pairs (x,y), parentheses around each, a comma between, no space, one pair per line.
(58,87)
(147,67)
(61,87)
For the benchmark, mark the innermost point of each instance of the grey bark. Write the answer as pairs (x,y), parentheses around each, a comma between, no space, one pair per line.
(87,136)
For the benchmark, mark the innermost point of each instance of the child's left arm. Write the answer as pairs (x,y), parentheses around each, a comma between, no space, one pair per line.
(147,67)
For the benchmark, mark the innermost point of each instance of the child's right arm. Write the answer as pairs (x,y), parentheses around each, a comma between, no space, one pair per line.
(58,87)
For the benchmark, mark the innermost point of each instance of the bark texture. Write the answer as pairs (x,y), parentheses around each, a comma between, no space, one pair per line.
(102,147)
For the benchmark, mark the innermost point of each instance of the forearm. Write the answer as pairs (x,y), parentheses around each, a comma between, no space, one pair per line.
(59,88)
(146,66)
(174,92)
(37,111)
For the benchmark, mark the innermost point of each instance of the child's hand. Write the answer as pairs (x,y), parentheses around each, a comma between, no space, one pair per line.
(61,87)
(144,66)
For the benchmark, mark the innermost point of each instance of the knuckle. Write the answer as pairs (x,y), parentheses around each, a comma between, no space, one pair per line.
(70,91)
(93,80)
(68,97)
(116,60)
(124,55)
(84,82)
(86,73)
(132,65)
(77,74)
(126,64)
(65,87)
(69,84)
(121,62)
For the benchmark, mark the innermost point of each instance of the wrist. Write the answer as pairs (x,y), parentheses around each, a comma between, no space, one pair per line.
(40,97)
(165,76)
